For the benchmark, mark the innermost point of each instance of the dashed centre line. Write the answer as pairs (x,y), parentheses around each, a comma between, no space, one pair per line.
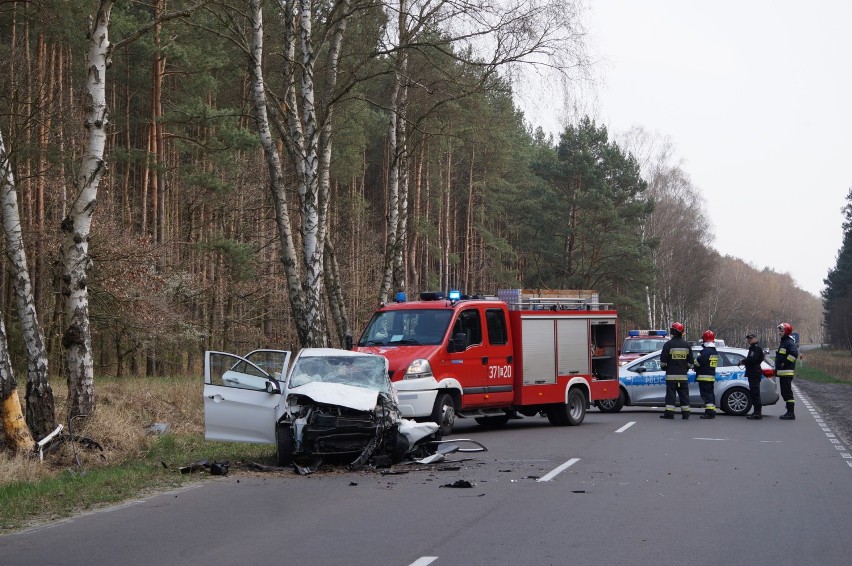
(558,470)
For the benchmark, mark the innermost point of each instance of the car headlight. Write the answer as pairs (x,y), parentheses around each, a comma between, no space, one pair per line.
(417,369)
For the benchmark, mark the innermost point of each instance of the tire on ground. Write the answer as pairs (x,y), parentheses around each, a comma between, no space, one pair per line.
(284,443)
(444,413)
(571,413)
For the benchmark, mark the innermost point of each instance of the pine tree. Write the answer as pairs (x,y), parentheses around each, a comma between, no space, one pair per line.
(837,295)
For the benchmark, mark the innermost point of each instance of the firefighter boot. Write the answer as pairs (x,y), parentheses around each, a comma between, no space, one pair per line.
(755,416)
(790,414)
(708,415)
(685,415)
(667,415)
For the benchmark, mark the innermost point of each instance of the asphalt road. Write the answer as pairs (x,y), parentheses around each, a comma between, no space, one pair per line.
(622,488)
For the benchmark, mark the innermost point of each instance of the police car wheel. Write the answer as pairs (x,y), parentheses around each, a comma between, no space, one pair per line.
(611,405)
(736,401)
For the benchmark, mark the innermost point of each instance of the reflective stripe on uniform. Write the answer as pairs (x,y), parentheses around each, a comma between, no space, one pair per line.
(676,378)
(705,378)
(679,353)
(785,372)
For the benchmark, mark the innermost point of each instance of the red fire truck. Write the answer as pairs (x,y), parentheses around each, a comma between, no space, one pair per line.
(523,352)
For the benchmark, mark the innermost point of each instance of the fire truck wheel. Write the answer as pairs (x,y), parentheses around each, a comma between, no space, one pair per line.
(612,405)
(444,413)
(571,413)
(284,441)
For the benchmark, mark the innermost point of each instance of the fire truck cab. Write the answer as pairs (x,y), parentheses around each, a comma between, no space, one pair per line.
(493,358)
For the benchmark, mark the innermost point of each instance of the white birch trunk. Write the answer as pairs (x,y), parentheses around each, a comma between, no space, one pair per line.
(308,141)
(18,436)
(76,226)
(41,412)
(276,185)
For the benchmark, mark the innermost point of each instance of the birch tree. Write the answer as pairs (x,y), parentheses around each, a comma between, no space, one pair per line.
(41,410)
(490,37)
(76,227)
(16,432)
(304,124)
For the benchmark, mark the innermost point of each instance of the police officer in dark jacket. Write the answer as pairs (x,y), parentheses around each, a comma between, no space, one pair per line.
(676,359)
(753,373)
(705,373)
(785,367)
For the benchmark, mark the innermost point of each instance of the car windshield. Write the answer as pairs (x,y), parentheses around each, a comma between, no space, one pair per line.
(409,327)
(642,346)
(368,372)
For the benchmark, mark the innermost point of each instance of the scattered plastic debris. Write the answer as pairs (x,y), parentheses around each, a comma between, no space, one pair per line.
(459,483)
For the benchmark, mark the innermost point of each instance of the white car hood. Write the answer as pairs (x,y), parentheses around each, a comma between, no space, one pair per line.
(348,396)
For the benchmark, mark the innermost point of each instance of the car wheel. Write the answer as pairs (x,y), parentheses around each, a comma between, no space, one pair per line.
(284,442)
(612,405)
(736,401)
(444,413)
(571,413)
(492,422)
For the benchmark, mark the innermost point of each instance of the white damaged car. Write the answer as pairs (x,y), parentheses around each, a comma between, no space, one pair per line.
(328,404)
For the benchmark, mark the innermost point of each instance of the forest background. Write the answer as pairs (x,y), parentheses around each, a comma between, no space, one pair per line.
(275,170)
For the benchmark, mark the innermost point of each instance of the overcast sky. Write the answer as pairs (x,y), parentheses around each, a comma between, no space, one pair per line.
(756,97)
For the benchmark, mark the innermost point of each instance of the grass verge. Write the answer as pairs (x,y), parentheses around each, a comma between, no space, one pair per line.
(126,462)
(825,366)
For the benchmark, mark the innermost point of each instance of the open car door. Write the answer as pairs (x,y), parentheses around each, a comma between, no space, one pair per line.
(238,406)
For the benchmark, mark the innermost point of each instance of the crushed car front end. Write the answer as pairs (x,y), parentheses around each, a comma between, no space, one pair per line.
(334,432)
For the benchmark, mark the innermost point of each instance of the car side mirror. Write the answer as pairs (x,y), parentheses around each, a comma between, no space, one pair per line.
(272,386)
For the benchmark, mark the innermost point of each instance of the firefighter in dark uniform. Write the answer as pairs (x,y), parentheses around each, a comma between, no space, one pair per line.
(705,373)
(785,367)
(676,359)
(753,373)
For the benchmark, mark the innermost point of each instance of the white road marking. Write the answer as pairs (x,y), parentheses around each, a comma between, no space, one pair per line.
(625,427)
(424,560)
(822,424)
(700,438)
(552,474)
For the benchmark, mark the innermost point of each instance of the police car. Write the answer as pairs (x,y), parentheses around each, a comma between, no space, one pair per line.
(641,342)
(643,383)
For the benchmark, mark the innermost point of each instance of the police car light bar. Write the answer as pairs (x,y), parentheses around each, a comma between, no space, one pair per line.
(647,333)
(454,295)
(399,297)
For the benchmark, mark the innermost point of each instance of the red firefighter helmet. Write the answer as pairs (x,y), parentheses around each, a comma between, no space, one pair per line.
(677,327)
(708,336)
(785,328)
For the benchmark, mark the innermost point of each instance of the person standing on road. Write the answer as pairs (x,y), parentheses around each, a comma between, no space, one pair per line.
(785,367)
(705,373)
(753,373)
(676,359)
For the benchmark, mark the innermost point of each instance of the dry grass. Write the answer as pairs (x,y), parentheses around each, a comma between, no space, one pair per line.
(836,363)
(125,408)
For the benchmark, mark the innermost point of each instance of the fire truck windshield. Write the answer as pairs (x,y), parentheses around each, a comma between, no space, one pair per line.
(412,327)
